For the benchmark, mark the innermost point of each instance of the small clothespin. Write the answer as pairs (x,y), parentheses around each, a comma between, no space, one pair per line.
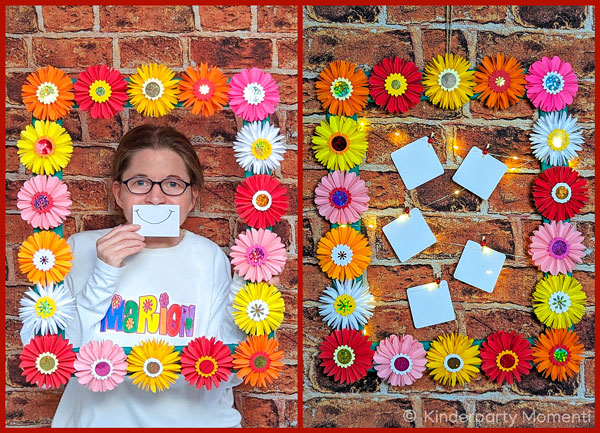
(406,210)
(430,139)
(483,243)
(485,151)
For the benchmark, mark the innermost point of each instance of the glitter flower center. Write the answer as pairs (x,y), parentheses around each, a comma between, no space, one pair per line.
(101,369)
(449,80)
(395,84)
(46,363)
(338,143)
(45,307)
(44,147)
(341,254)
(559,248)
(153,89)
(507,360)
(558,140)
(341,88)
(43,259)
(261,200)
(100,91)
(453,363)
(47,93)
(256,255)
(260,362)
(262,149)
(339,197)
(41,202)
(553,82)
(254,93)
(559,302)
(257,310)
(499,81)
(343,356)
(401,364)
(559,355)
(561,192)
(206,366)
(344,305)
(153,367)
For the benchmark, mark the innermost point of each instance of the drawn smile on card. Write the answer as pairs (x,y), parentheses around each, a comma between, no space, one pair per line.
(137,211)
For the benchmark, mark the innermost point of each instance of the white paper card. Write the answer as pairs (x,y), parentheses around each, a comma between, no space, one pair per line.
(479,173)
(417,163)
(430,304)
(157,220)
(409,234)
(479,266)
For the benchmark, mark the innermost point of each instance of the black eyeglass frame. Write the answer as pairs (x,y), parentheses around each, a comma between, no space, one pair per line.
(159,183)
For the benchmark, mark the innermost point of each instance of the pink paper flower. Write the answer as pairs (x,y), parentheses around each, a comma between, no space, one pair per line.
(100,366)
(556,247)
(258,255)
(341,197)
(44,202)
(253,94)
(101,90)
(400,361)
(551,84)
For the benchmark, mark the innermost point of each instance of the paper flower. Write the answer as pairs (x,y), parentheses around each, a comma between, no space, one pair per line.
(258,148)
(343,253)
(152,90)
(341,197)
(257,360)
(448,81)
(253,95)
(551,84)
(559,193)
(258,308)
(347,304)
(346,355)
(153,365)
(45,148)
(206,362)
(47,361)
(395,84)
(453,357)
(44,202)
(204,89)
(506,356)
(556,247)
(101,90)
(500,81)
(258,255)
(339,144)
(558,353)
(556,138)
(100,365)
(559,301)
(48,93)
(260,201)
(48,310)
(342,88)
(400,361)
(45,258)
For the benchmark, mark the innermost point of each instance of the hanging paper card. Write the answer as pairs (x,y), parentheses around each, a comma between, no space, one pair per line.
(409,234)
(430,304)
(417,163)
(479,173)
(479,266)
(157,220)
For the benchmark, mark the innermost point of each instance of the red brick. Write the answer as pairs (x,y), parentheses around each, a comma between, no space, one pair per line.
(308,156)
(287,53)
(93,161)
(284,231)
(289,166)
(14,83)
(310,103)
(481,323)
(16,53)
(585,330)
(218,197)
(583,104)
(286,383)
(68,18)
(344,14)
(287,337)
(278,19)
(14,378)
(289,277)
(21,19)
(523,109)
(170,19)
(435,44)
(144,50)
(17,229)
(232,52)
(12,159)
(291,307)
(13,299)
(389,283)
(99,222)
(586,159)
(590,378)
(438,195)
(550,17)
(36,407)
(218,161)
(215,229)
(386,190)
(291,414)
(288,88)
(69,227)
(310,180)
(536,384)
(443,413)
(590,206)
(104,130)
(72,53)
(290,126)
(13,339)
(587,280)
(225,18)
(16,120)
(587,230)
(257,412)
(513,193)
(12,189)
(420,14)
(314,281)
(544,414)
(88,195)
(314,329)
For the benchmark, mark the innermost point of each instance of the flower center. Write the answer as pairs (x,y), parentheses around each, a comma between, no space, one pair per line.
(44,147)
(341,255)
(559,302)
(153,367)
(260,362)
(102,369)
(453,362)
(257,310)
(206,366)
(203,89)
(254,93)
(153,89)
(43,259)
(41,202)
(261,200)
(344,305)
(449,80)
(507,360)
(100,91)
(256,255)
(560,355)
(558,139)
(47,363)
(395,84)
(401,364)
(339,197)
(553,82)
(558,248)
(343,356)
(339,143)
(341,88)
(47,93)
(561,192)
(499,81)
(262,149)
(45,307)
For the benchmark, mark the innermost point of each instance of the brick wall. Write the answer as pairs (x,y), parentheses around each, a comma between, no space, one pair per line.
(364,35)
(75,37)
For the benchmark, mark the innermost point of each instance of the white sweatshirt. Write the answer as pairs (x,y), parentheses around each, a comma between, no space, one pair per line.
(175,294)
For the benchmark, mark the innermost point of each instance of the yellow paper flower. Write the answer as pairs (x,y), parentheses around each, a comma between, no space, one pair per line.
(453,357)
(45,148)
(339,144)
(259,308)
(448,82)
(343,253)
(153,364)
(559,301)
(45,258)
(152,90)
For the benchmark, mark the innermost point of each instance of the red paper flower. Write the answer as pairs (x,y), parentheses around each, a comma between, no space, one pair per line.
(101,90)
(206,362)
(346,355)
(506,356)
(261,201)
(395,84)
(47,361)
(559,193)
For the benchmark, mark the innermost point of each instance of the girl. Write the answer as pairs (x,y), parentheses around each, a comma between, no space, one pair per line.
(119,267)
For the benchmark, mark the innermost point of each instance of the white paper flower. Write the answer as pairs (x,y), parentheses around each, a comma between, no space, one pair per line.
(556,138)
(347,304)
(48,310)
(258,148)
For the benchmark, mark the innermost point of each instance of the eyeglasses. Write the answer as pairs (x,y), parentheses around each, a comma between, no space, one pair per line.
(142,185)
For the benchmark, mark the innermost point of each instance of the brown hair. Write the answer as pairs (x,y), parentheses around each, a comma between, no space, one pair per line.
(149,136)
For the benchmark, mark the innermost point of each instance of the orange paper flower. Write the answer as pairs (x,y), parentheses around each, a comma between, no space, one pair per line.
(204,89)
(558,353)
(500,80)
(257,360)
(343,253)
(342,88)
(48,93)
(45,258)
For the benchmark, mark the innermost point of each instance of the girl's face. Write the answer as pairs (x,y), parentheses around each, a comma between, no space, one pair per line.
(155,164)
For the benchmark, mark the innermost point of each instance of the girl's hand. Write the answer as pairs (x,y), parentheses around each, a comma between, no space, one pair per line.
(119,243)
